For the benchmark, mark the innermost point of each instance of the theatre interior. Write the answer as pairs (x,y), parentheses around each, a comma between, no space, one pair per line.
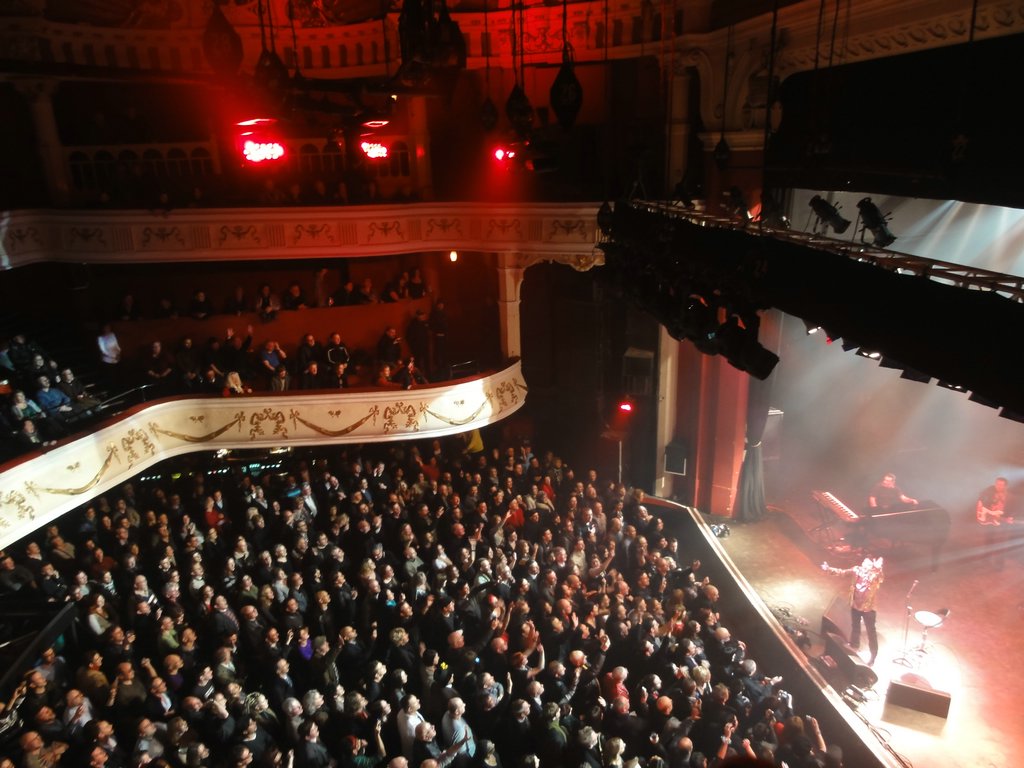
(746,275)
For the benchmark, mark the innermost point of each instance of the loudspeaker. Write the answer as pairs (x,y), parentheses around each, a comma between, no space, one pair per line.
(830,627)
(852,668)
(918,698)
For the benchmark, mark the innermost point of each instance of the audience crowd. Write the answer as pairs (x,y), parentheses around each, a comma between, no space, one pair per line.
(400,605)
(43,401)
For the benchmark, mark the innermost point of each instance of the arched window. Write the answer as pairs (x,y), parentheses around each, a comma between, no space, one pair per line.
(398,156)
(177,162)
(333,159)
(104,163)
(309,159)
(154,162)
(202,163)
(83,172)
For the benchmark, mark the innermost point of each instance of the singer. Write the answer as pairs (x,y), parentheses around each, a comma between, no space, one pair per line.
(864,586)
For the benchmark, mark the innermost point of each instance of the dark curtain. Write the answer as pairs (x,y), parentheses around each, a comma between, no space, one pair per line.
(750,502)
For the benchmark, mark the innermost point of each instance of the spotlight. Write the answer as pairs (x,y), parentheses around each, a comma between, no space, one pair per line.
(871,353)
(453,256)
(951,385)
(875,221)
(811,327)
(828,215)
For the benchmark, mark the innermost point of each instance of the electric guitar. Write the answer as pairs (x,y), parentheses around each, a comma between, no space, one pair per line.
(988,516)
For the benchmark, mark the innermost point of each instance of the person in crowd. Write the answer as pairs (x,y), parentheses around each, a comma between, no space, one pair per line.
(281,381)
(110,355)
(200,307)
(365,293)
(389,347)
(272,357)
(73,387)
(418,336)
(409,375)
(157,368)
(188,366)
(294,298)
(267,304)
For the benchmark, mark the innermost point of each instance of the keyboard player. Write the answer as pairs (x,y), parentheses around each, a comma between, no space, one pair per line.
(886,496)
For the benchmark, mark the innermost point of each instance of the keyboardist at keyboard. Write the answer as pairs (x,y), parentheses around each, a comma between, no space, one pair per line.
(887,497)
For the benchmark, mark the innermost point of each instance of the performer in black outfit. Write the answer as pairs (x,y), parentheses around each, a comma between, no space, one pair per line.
(887,497)
(993,511)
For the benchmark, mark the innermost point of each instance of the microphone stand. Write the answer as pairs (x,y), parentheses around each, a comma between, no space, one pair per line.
(904,658)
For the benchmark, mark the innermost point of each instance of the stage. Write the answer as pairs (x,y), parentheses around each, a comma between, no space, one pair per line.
(970,663)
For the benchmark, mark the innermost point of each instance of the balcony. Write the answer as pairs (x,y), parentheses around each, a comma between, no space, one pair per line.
(41,487)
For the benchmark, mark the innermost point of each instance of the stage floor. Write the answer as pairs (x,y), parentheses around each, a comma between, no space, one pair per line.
(974,656)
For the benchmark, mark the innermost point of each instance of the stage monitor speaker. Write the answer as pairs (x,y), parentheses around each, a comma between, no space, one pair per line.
(852,668)
(830,627)
(918,698)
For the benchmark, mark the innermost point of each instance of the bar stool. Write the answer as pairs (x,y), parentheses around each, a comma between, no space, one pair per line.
(929,620)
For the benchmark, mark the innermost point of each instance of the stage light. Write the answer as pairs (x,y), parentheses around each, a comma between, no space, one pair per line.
(871,353)
(811,328)
(876,222)
(374,150)
(502,154)
(260,151)
(828,215)
(626,405)
(453,256)
(256,140)
(951,385)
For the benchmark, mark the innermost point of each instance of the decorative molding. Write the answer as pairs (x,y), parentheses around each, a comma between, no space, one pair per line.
(543,230)
(40,489)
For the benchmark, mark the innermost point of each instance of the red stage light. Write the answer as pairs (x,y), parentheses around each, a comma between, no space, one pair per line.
(257,152)
(503,154)
(257,142)
(374,150)
(626,406)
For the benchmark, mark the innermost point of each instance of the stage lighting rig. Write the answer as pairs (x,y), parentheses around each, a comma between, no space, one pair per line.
(875,221)
(828,215)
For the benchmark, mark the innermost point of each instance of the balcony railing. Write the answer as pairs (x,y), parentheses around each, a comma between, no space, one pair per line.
(41,487)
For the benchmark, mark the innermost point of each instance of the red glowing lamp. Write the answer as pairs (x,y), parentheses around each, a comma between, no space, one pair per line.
(626,406)
(258,152)
(374,150)
(256,141)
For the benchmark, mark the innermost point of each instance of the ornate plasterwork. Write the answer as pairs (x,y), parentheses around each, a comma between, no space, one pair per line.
(36,491)
(561,231)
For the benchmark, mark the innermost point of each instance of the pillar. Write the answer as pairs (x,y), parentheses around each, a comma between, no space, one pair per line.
(510,282)
(39,94)
(419,138)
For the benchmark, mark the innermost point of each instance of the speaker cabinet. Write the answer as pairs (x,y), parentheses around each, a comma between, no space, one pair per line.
(849,664)
(918,698)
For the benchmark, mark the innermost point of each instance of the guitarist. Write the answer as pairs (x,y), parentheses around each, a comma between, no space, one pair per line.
(993,504)
(993,511)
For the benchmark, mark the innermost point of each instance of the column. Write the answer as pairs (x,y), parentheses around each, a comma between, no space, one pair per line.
(510,281)
(39,94)
(419,136)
